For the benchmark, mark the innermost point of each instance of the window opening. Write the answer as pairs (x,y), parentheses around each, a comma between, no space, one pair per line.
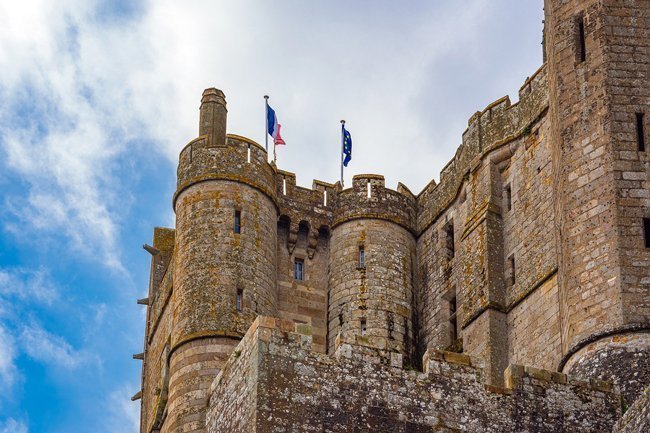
(449,237)
(582,44)
(512,278)
(240,294)
(364,327)
(640,133)
(362,257)
(453,317)
(508,191)
(237,228)
(298,270)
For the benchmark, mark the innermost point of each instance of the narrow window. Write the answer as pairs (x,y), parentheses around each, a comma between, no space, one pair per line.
(364,327)
(248,157)
(508,191)
(449,237)
(362,257)
(646,230)
(298,269)
(582,44)
(237,228)
(512,273)
(284,186)
(240,294)
(369,189)
(325,198)
(640,133)
(453,317)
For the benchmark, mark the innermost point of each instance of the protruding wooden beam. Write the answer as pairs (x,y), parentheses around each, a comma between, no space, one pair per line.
(143,301)
(151,250)
(137,396)
(139,356)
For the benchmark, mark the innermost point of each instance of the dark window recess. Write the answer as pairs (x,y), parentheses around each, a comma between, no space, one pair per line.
(362,257)
(508,193)
(449,238)
(364,327)
(512,276)
(646,231)
(582,43)
(453,319)
(237,228)
(299,269)
(640,132)
(240,295)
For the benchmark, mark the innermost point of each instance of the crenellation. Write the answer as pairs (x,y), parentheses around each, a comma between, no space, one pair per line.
(393,311)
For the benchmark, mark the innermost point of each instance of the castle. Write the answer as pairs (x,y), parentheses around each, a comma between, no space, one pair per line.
(513,295)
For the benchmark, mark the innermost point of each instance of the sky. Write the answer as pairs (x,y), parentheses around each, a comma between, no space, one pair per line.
(98,97)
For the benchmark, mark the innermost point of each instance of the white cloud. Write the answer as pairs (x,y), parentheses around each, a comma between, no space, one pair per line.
(27,285)
(8,372)
(51,349)
(122,415)
(11,425)
(76,88)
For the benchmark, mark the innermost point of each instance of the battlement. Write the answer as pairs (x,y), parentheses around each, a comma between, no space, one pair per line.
(488,134)
(359,388)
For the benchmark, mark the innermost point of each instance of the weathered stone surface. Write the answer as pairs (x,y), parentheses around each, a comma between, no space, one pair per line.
(274,383)
(529,251)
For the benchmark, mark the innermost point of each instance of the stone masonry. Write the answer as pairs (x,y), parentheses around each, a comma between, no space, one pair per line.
(278,308)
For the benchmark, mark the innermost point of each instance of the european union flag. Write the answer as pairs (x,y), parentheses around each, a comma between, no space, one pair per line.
(347,146)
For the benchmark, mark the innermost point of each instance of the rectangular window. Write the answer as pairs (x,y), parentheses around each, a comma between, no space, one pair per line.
(646,230)
(640,133)
(240,295)
(453,318)
(237,228)
(512,274)
(449,239)
(362,257)
(364,327)
(582,43)
(508,198)
(298,269)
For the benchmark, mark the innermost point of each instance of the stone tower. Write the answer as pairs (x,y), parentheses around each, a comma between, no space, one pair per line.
(599,66)
(372,260)
(224,261)
(274,307)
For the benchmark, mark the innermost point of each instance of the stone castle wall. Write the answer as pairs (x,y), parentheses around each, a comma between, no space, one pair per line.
(530,250)
(273,382)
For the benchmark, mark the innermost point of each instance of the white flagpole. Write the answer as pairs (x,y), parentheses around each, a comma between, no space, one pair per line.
(342,149)
(266,123)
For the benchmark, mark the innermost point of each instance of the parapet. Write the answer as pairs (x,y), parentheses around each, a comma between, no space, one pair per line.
(357,390)
(369,198)
(240,160)
(487,133)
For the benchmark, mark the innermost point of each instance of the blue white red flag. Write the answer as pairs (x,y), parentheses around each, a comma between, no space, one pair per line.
(273,125)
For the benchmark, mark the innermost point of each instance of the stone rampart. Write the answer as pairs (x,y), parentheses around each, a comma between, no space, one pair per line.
(273,382)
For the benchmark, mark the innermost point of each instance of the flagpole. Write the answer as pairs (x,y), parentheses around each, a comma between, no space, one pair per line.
(342,149)
(266,122)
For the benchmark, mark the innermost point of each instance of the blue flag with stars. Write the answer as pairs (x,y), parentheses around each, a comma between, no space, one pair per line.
(347,146)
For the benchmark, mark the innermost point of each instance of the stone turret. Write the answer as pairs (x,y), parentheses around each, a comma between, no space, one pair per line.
(372,254)
(225,265)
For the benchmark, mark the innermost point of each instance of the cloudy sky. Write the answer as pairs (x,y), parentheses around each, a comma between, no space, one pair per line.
(98,97)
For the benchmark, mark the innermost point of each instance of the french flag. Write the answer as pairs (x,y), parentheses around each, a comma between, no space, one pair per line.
(273,125)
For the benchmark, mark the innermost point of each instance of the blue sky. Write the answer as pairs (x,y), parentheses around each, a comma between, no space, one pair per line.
(98,97)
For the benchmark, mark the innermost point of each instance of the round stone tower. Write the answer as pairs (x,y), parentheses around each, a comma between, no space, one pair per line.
(372,253)
(225,257)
